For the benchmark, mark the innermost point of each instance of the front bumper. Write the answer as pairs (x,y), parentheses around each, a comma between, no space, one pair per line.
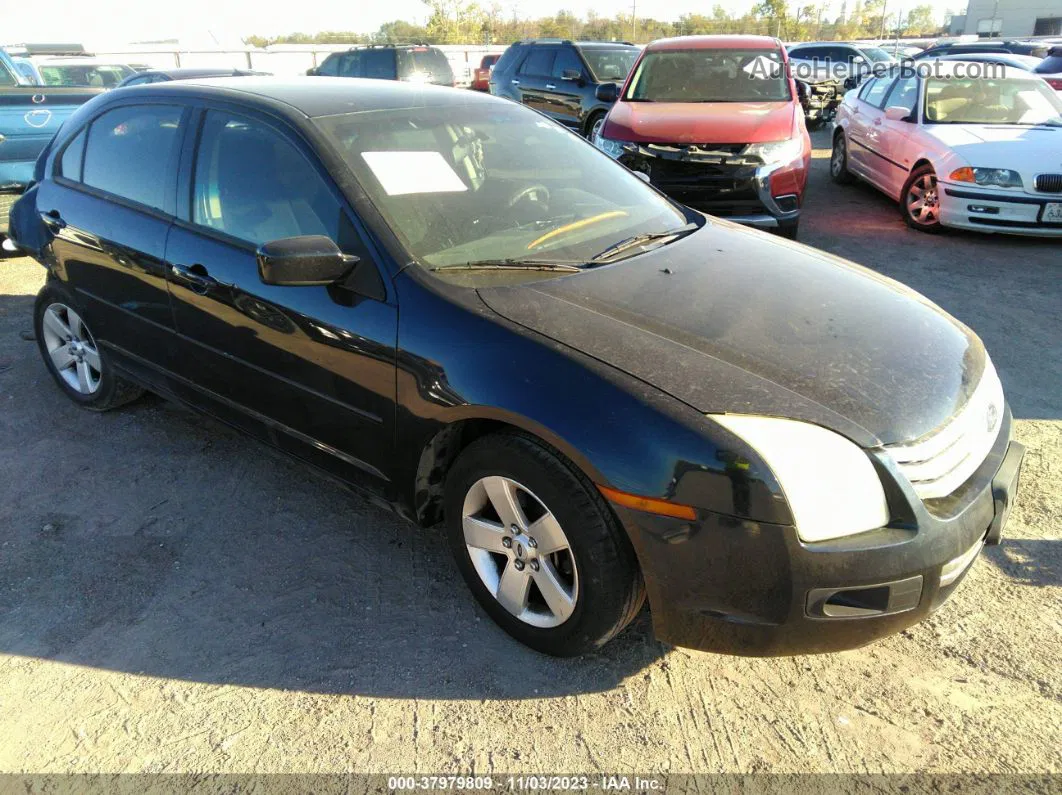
(735,586)
(739,193)
(1008,212)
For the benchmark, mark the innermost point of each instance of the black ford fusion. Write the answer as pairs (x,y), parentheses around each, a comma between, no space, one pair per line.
(474,316)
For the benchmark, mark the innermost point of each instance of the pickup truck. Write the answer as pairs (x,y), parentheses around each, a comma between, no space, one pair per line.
(29,117)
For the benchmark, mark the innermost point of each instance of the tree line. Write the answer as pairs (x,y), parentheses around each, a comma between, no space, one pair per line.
(461,22)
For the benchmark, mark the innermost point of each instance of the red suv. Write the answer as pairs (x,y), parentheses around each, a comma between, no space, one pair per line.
(715,122)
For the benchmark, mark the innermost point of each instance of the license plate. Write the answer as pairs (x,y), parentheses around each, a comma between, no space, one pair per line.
(1052,213)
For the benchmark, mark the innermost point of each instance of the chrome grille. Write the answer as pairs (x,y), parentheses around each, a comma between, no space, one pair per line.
(1049,183)
(939,463)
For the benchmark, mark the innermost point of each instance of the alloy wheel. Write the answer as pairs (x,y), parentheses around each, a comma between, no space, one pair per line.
(837,163)
(72,349)
(922,200)
(520,551)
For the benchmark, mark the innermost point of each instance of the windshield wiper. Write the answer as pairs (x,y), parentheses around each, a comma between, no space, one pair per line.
(638,240)
(510,264)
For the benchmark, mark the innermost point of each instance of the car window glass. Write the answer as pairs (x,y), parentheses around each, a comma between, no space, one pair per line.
(330,66)
(565,61)
(508,58)
(379,64)
(6,77)
(608,64)
(904,94)
(132,150)
(808,53)
(867,86)
(428,63)
(255,185)
(350,65)
(539,63)
(70,162)
(875,94)
(1050,65)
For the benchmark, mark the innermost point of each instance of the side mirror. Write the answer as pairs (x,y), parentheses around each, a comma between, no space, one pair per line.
(572,74)
(897,113)
(303,261)
(311,71)
(607,92)
(859,60)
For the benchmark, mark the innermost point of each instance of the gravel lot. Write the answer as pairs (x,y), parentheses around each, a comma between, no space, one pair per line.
(174,597)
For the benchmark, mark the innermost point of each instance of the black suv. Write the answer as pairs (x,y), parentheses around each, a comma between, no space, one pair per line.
(413,63)
(560,78)
(1037,49)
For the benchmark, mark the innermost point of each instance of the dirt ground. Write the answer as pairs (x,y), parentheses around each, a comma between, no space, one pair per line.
(174,597)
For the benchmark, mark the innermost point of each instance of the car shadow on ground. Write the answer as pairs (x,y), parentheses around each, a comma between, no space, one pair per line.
(1028,561)
(154,541)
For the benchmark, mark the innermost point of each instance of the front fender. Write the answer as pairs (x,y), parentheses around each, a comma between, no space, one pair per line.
(459,361)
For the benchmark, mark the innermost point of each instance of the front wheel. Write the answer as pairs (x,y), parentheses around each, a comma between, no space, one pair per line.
(920,202)
(539,547)
(594,125)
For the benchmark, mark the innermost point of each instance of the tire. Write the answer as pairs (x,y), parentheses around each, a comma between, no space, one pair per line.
(595,578)
(596,118)
(919,202)
(788,230)
(839,172)
(64,338)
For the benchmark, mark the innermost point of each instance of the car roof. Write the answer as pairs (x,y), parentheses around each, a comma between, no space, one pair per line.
(318,96)
(838,43)
(187,72)
(734,42)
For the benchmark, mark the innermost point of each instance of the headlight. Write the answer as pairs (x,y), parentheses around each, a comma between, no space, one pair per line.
(776,151)
(611,148)
(992,177)
(829,483)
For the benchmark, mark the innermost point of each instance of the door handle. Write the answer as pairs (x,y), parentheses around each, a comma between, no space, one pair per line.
(551,87)
(53,220)
(515,82)
(195,276)
(877,122)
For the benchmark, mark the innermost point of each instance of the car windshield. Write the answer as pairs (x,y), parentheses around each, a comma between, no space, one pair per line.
(710,75)
(96,76)
(610,64)
(876,54)
(987,101)
(492,183)
(427,62)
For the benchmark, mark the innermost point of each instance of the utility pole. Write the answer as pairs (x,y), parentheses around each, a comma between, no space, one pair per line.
(634,20)
(884,9)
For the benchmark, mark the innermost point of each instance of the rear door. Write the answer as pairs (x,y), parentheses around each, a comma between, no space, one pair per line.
(533,75)
(311,369)
(109,205)
(864,151)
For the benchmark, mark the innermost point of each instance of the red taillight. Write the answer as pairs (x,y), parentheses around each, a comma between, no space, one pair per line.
(1055,83)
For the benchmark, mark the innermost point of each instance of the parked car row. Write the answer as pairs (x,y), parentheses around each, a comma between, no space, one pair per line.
(594,394)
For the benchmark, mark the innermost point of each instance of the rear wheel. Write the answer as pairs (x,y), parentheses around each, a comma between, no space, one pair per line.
(78,365)
(839,172)
(539,547)
(920,203)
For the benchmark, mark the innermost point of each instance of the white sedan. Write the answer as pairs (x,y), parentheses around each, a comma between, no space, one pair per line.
(981,153)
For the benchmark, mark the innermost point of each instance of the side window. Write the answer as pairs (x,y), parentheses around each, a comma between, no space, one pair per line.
(329,66)
(350,65)
(131,152)
(567,60)
(253,184)
(867,88)
(379,64)
(808,53)
(7,77)
(539,63)
(70,162)
(875,94)
(904,94)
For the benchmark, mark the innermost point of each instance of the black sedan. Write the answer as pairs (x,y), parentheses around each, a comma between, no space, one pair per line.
(590,393)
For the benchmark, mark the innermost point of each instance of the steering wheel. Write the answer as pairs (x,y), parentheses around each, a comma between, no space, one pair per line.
(540,192)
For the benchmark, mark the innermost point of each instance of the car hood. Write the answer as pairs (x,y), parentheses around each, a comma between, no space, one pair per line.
(1002,145)
(700,122)
(729,319)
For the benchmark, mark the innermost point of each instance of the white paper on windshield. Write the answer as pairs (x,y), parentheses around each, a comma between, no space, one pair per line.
(402,173)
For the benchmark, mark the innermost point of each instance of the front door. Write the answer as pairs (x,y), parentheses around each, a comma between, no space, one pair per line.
(311,368)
